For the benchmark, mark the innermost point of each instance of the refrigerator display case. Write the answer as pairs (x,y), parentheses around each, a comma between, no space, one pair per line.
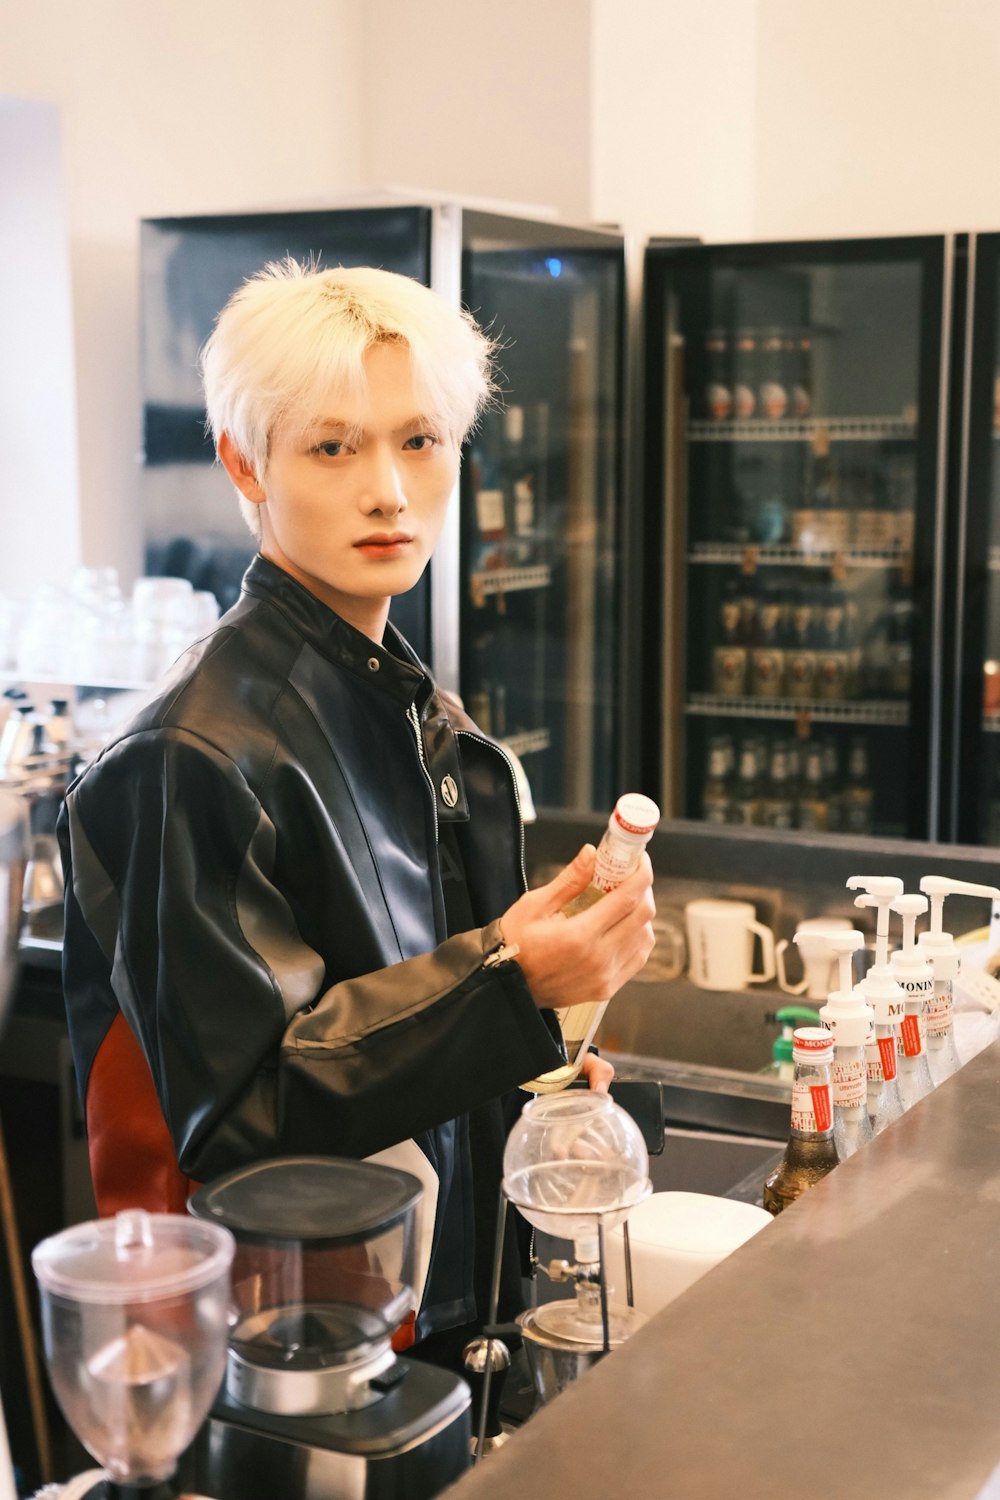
(972,710)
(797,410)
(519,611)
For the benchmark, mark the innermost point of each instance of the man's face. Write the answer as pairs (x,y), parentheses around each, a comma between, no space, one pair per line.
(353,507)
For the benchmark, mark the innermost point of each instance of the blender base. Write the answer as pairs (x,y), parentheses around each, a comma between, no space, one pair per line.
(409,1445)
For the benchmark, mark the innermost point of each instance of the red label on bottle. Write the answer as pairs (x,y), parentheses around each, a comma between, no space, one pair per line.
(910,1032)
(887,1053)
(822,1107)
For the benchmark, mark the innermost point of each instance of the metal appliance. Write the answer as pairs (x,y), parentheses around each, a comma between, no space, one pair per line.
(315,1403)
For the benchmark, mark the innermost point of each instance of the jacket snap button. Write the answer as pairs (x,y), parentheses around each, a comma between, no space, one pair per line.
(373,663)
(449,791)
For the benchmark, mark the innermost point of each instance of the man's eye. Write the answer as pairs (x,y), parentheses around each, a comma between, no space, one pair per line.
(420,441)
(332,449)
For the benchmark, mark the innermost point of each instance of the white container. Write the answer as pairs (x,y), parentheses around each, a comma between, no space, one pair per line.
(675,1238)
(720,942)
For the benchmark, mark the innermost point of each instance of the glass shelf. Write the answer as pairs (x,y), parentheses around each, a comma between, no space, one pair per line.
(866,711)
(111,685)
(509,580)
(838,429)
(777,555)
(526,741)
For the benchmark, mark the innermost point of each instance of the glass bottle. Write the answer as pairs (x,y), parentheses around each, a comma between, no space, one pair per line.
(911,970)
(746,807)
(811,1151)
(629,830)
(813,808)
(850,1020)
(857,799)
(940,949)
(778,803)
(715,796)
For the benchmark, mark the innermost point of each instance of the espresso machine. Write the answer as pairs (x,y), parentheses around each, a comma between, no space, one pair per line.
(315,1404)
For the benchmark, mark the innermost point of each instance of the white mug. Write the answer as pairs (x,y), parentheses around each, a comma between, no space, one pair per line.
(720,937)
(819,962)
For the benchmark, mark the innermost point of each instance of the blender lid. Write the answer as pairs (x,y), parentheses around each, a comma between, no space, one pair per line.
(133,1257)
(320,1201)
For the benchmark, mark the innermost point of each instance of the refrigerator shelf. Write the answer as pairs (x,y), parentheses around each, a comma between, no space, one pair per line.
(509,580)
(76,683)
(885,711)
(526,741)
(776,555)
(838,429)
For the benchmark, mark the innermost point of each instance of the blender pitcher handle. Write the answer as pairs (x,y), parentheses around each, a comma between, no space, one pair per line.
(767,952)
(789,989)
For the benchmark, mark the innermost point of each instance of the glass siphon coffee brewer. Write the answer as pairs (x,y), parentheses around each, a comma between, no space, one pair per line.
(575,1165)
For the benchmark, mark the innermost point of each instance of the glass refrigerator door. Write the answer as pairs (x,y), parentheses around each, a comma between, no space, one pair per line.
(795,464)
(972,781)
(540,552)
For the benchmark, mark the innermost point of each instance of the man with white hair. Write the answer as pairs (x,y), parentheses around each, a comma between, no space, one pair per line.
(296,919)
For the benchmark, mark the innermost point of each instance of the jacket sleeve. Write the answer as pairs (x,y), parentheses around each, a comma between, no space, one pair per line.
(252,1051)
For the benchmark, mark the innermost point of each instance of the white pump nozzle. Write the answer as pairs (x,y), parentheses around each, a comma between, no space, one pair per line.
(845,945)
(910,908)
(939,886)
(881,890)
(846,1012)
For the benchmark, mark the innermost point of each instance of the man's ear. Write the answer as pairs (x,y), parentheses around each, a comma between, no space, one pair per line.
(240,470)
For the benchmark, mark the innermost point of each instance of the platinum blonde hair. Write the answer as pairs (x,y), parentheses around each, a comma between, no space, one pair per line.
(293,335)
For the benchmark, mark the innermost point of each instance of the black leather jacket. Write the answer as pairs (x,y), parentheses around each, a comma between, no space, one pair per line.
(254,882)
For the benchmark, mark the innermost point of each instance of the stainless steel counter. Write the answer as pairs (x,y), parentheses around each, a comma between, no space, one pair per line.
(851,1348)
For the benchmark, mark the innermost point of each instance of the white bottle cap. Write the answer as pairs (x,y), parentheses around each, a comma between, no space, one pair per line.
(812,1044)
(635,815)
(886,997)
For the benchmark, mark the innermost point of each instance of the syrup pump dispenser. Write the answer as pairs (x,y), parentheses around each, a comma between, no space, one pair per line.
(888,1000)
(849,1017)
(916,976)
(939,947)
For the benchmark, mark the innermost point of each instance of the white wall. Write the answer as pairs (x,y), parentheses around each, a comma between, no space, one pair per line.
(877,118)
(39,501)
(673,130)
(480,99)
(170,109)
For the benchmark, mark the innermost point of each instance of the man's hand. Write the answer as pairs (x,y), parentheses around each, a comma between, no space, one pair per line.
(589,956)
(597,1071)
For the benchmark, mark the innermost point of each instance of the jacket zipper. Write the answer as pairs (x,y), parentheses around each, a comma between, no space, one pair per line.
(411,714)
(492,744)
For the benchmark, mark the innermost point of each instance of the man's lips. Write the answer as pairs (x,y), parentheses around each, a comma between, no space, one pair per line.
(384,544)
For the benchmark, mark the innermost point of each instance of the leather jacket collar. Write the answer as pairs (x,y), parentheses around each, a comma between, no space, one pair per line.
(400,675)
(394,667)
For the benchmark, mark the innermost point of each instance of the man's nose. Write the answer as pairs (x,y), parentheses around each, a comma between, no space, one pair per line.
(384,490)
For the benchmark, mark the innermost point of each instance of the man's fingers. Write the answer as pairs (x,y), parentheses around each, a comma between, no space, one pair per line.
(571,880)
(632,895)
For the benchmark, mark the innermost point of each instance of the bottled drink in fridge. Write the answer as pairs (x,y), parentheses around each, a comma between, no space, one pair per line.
(629,830)
(811,1151)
